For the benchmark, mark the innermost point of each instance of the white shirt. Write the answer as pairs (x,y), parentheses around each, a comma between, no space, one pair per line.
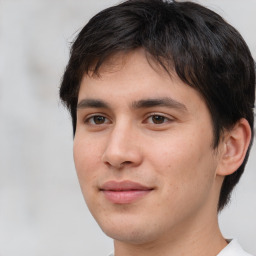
(232,249)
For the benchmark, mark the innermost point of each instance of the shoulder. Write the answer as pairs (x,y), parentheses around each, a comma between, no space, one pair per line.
(233,249)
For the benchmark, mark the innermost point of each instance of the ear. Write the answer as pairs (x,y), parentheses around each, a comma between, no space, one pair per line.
(234,147)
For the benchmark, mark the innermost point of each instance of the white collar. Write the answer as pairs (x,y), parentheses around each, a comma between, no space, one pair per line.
(233,249)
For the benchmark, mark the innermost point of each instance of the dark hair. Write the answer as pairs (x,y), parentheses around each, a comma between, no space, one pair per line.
(207,53)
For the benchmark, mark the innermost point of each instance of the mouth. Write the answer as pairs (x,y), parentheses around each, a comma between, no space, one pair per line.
(124,192)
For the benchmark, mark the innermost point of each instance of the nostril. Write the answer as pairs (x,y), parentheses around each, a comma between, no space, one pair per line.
(107,163)
(126,163)
(119,166)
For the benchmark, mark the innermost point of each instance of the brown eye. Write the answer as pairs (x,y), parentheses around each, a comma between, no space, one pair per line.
(157,119)
(98,119)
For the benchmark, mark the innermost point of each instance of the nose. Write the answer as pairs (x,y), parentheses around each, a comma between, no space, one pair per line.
(122,148)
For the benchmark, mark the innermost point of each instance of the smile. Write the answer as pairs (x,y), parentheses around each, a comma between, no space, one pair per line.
(124,192)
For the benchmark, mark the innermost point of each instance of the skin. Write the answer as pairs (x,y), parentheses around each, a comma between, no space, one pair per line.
(165,147)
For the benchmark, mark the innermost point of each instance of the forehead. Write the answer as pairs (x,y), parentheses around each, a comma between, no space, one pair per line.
(135,73)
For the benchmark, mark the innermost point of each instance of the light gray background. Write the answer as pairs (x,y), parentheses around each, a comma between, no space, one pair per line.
(42,211)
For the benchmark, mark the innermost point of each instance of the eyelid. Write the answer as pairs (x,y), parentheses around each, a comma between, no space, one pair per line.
(90,116)
(168,117)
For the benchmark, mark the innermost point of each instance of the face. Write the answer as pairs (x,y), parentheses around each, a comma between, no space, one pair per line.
(143,151)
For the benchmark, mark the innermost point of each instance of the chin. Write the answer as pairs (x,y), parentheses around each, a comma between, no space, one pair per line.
(130,231)
(130,236)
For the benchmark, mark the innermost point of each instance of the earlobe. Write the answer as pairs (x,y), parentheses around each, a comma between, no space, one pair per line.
(234,148)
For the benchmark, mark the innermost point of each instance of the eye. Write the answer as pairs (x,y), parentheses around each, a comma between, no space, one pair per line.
(157,119)
(97,120)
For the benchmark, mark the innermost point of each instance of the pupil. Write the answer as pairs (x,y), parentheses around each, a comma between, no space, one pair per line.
(99,119)
(158,119)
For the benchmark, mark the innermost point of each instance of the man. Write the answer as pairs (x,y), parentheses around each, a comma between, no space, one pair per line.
(161,96)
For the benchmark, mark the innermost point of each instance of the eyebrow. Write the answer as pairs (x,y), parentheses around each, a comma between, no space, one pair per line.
(92,103)
(144,103)
(163,102)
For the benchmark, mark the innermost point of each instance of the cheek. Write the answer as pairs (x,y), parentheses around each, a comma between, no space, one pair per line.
(185,175)
(185,162)
(86,158)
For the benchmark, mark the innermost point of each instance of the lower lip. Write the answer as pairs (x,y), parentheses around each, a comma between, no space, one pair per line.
(125,197)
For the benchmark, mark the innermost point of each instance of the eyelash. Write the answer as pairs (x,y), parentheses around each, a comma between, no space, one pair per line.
(91,119)
(165,118)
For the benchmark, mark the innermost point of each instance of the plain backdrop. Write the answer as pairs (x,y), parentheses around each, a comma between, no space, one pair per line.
(42,211)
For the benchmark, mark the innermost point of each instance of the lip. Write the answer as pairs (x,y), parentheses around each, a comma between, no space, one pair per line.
(124,192)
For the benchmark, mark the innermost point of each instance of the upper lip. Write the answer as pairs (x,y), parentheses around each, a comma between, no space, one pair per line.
(123,186)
